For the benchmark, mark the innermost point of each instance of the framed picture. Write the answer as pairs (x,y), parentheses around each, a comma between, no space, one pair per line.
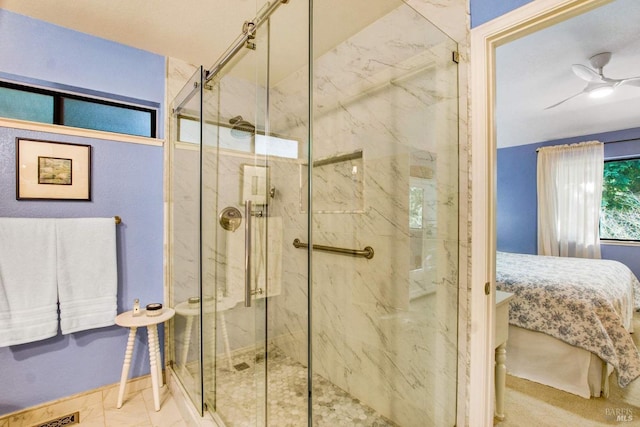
(52,170)
(255,181)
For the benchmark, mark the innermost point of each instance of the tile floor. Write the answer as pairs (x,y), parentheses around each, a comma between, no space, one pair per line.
(99,409)
(287,388)
(332,406)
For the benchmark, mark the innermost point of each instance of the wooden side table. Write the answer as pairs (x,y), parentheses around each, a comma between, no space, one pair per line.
(502,334)
(127,320)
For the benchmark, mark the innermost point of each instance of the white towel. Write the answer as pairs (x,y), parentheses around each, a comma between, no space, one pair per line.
(28,293)
(87,273)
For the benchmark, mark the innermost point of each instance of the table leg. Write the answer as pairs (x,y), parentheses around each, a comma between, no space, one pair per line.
(126,365)
(225,335)
(186,341)
(500,379)
(152,332)
(159,362)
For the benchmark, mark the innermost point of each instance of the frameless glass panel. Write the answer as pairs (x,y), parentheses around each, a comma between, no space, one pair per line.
(279,147)
(235,140)
(18,104)
(286,145)
(91,115)
(385,145)
(188,130)
(384,330)
(231,176)
(184,281)
(261,351)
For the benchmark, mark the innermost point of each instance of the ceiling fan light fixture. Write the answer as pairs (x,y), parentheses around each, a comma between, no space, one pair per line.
(601,91)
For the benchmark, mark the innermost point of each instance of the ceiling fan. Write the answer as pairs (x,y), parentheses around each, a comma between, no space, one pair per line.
(598,85)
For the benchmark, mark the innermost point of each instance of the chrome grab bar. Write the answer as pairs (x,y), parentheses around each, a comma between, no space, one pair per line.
(247,253)
(367,252)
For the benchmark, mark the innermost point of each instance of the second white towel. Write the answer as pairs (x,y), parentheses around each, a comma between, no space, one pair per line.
(87,273)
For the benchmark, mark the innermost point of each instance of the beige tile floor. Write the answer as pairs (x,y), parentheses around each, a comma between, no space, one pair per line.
(99,409)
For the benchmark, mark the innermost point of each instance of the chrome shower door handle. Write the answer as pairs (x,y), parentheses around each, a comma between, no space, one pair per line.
(247,253)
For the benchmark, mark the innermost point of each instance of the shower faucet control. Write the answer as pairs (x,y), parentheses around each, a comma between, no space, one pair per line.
(230,218)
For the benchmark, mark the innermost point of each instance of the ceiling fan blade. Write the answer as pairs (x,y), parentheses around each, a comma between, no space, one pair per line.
(631,81)
(586,73)
(565,100)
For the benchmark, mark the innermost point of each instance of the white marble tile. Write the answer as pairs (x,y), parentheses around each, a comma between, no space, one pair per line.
(452,16)
(168,415)
(89,405)
(132,413)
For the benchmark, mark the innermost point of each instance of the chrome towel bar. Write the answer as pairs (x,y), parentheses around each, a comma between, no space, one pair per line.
(367,252)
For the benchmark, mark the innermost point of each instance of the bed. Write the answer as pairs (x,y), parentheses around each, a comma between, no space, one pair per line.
(570,321)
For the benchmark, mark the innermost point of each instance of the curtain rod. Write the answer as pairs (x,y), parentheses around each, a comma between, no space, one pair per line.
(608,142)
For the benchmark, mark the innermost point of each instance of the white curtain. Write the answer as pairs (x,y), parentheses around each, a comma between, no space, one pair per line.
(569,197)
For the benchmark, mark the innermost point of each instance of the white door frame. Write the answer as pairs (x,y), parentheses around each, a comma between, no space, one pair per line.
(485,39)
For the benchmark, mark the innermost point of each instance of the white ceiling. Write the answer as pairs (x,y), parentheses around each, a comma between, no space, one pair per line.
(534,72)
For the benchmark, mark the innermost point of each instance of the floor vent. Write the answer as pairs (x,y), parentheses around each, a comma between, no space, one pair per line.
(65,420)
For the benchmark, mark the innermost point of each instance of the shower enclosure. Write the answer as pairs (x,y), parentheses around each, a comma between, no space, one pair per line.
(313,221)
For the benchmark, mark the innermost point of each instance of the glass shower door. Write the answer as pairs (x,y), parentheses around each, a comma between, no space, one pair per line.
(235,210)
(330,338)
(220,223)
(235,219)
(249,168)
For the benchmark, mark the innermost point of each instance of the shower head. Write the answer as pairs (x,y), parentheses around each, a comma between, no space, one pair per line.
(241,128)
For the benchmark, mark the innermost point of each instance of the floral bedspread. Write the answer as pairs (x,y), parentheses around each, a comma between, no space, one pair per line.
(583,302)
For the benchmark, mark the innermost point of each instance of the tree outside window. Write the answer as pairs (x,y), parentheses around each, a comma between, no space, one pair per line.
(620,211)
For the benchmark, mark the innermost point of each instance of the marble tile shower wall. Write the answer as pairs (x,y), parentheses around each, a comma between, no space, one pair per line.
(368,337)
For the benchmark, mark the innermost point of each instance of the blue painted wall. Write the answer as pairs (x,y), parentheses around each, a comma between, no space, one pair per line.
(127,180)
(517,200)
(34,50)
(485,10)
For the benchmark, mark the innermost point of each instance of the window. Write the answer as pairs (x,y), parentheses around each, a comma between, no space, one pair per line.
(18,104)
(416,202)
(48,106)
(620,211)
(189,131)
(422,219)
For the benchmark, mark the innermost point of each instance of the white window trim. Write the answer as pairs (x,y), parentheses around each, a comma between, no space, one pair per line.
(72,131)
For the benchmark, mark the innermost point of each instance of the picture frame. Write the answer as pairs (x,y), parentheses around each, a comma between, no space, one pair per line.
(48,170)
(255,182)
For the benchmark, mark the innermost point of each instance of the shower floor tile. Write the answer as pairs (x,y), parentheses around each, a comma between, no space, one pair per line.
(237,394)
